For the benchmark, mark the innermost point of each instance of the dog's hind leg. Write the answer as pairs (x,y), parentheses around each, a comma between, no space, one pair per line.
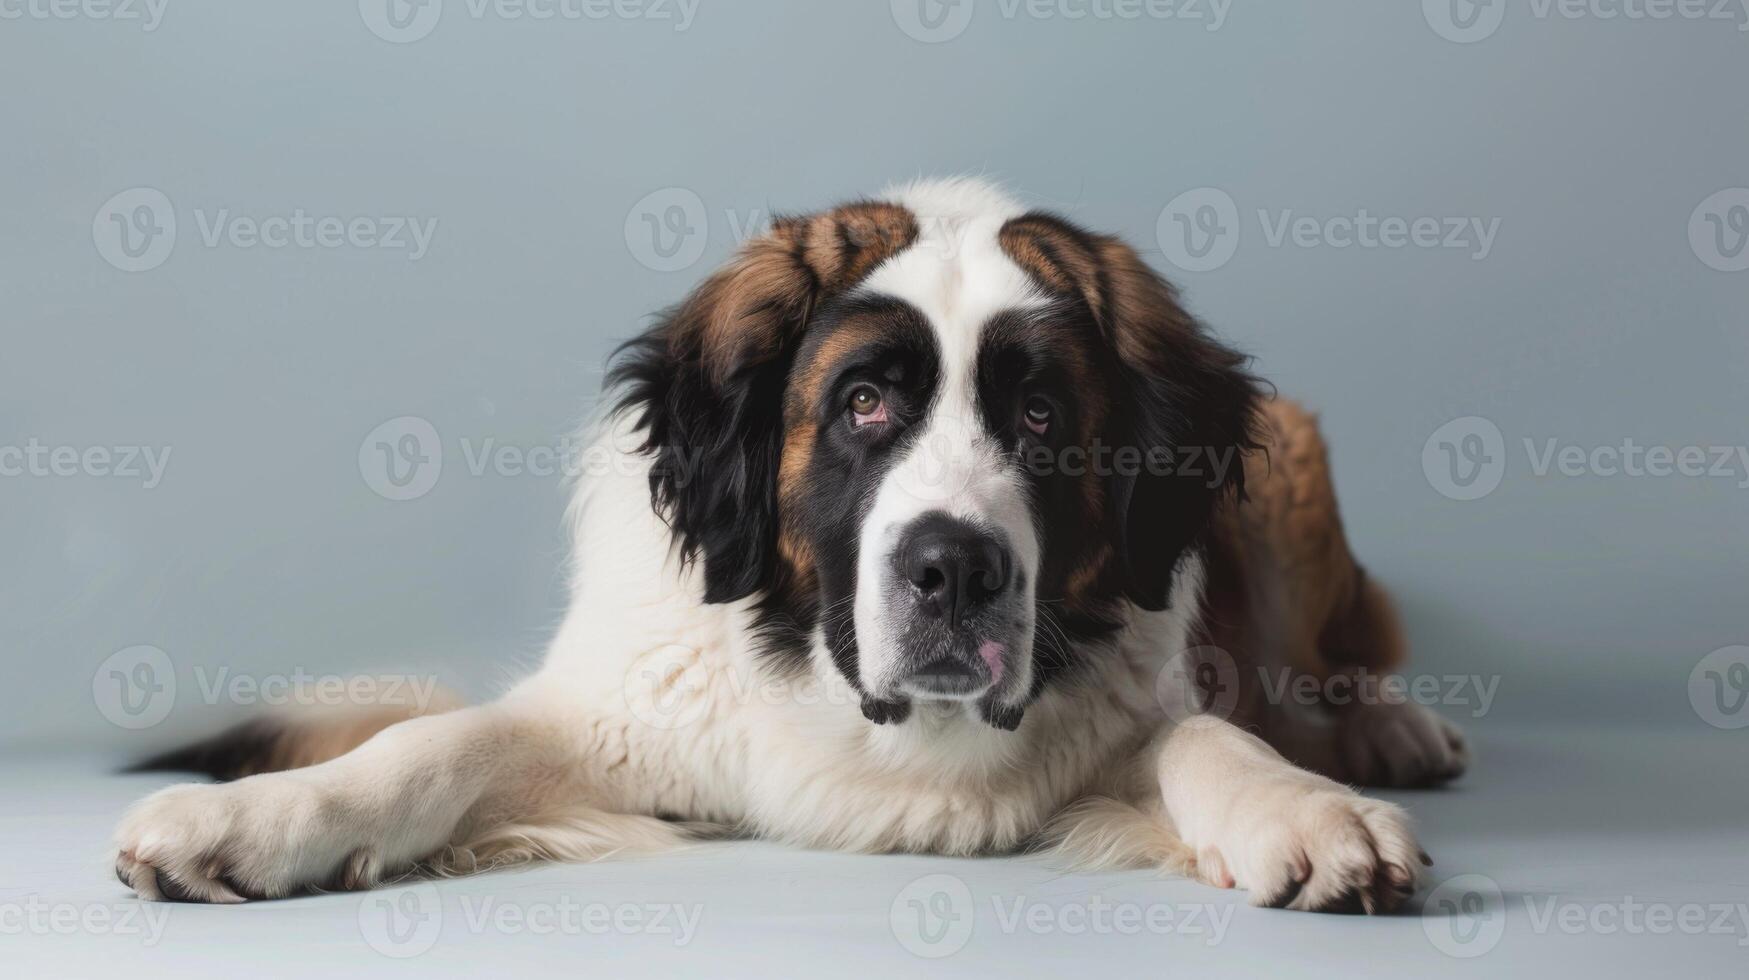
(302,735)
(475,787)
(1312,636)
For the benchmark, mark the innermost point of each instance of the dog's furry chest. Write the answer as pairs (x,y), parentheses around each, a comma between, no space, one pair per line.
(711,731)
(702,725)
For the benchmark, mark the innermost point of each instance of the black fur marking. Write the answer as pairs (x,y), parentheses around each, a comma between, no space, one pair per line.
(717,455)
(716,451)
(848,463)
(881,712)
(1005,717)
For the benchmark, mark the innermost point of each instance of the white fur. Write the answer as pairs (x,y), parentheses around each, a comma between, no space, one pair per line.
(651,702)
(958,277)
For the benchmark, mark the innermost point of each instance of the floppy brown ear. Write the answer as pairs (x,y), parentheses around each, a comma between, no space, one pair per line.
(707,382)
(1185,398)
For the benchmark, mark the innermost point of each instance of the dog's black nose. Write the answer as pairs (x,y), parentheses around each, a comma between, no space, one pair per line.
(954,567)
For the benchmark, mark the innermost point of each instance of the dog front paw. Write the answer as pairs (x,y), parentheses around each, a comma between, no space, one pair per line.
(261,837)
(1316,846)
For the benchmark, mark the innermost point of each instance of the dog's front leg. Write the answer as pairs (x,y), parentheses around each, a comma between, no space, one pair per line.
(346,823)
(1293,838)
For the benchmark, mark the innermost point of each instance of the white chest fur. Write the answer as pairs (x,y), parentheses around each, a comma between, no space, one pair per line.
(686,718)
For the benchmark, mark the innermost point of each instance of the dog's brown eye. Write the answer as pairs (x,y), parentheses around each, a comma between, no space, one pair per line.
(865,404)
(1038,415)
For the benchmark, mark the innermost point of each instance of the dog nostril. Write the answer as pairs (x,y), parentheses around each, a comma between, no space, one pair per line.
(955,567)
(929,580)
(982,585)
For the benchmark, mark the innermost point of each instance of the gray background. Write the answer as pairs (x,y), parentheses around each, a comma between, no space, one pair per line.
(530,142)
(534,146)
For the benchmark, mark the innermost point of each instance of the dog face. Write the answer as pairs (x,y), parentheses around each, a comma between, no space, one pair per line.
(944,441)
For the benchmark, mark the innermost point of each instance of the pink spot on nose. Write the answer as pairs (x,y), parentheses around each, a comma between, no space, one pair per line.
(992,653)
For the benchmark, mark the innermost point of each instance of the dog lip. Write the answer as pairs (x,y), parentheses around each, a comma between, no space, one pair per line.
(946,667)
(947,677)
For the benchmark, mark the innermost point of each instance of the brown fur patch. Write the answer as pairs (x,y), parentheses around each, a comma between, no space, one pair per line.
(751,308)
(1138,313)
(1136,307)
(805,390)
(1282,581)
(756,306)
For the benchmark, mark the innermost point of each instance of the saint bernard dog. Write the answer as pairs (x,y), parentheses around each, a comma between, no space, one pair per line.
(935,525)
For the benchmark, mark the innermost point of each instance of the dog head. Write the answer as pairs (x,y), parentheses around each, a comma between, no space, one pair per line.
(939,439)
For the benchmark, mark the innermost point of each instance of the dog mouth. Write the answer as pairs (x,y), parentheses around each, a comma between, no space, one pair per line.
(946,677)
(971,676)
(957,674)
